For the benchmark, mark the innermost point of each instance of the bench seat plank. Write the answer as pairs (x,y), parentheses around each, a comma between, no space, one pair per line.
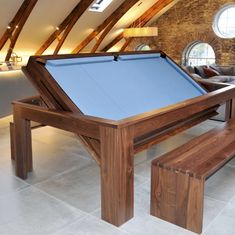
(215,147)
(178,177)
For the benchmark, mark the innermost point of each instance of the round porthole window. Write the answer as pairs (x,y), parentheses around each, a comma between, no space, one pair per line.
(143,47)
(224,22)
(199,53)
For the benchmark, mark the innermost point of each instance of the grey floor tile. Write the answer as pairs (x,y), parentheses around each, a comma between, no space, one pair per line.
(91,226)
(139,180)
(149,225)
(221,185)
(48,161)
(10,183)
(231,163)
(80,187)
(148,155)
(31,211)
(6,165)
(61,140)
(142,199)
(143,169)
(51,135)
(202,127)
(174,142)
(212,208)
(224,222)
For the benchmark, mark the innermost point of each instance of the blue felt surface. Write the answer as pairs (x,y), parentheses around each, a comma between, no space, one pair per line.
(119,89)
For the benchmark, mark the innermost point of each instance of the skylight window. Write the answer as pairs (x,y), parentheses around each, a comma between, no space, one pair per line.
(100,5)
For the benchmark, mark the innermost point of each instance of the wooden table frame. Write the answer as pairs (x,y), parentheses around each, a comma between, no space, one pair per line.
(112,143)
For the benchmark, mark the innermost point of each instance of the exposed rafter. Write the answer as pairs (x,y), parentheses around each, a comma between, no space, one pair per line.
(107,25)
(125,45)
(16,25)
(65,27)
(140,22)
(127,5)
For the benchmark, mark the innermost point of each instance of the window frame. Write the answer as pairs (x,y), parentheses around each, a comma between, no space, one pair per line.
(217,16)
(141,46)
(189,49)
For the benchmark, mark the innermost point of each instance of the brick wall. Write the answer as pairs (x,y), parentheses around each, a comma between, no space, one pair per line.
(186,22)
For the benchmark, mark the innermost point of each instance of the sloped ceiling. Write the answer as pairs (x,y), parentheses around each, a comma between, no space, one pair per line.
(48,14)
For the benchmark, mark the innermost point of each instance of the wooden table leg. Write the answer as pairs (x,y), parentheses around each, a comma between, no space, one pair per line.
(117,175)
(22,144)
(232,107)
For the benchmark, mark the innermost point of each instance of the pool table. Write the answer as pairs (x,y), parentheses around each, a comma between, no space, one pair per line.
(118,104)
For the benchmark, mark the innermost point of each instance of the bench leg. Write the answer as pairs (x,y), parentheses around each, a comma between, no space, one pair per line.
(22,144)
(177,198)
(116,175)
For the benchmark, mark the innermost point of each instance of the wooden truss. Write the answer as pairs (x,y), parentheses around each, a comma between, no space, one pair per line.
(63,30)
(140,22)
(106,26)
(15,27)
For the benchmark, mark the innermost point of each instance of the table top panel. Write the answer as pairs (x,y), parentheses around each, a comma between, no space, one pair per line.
(117,88)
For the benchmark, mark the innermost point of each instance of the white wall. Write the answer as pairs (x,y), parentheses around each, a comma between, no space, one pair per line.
(13,86)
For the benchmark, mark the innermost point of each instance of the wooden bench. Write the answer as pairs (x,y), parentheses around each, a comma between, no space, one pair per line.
(178,177)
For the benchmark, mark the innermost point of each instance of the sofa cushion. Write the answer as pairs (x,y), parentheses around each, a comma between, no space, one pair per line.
(199,70)
(209,72)
(227,70)
(222,78)
(216,68)
(194,75)
(190,69)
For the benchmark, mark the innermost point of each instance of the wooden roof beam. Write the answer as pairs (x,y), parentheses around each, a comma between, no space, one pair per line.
(16,25)
(105,25)
(126,6)
(158,8)
(11,26)
(65,27)
(140,22)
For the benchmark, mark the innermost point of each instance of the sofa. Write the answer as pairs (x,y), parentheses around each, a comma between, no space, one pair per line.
(224,74)
(221,74)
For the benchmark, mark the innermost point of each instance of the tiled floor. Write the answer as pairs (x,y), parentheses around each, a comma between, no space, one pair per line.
(62,195)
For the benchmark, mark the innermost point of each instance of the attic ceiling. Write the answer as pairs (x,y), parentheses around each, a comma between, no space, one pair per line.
(45,17)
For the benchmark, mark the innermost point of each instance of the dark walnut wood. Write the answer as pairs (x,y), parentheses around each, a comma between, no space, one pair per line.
(178,177)
(117,172)
(111,143)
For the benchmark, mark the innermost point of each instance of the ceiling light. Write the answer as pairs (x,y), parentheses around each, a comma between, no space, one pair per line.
(140,32)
